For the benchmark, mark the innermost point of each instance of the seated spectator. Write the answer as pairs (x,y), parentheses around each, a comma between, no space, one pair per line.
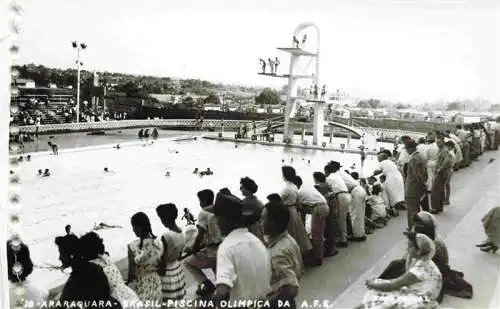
(453,282)
(243,263)
(418,287)
(252,206)
(68,246)
(378,206)
(91,248)
(171,270)
(88,283)
(204,250)
(286,258)
(19,267)
(144,256)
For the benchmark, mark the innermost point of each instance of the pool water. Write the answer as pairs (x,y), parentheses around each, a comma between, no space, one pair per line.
(80,193)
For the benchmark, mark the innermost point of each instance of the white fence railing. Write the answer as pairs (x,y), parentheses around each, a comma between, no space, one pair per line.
(194,123)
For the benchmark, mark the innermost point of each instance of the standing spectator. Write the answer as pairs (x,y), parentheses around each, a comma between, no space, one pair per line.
(243,263)
(342,197)
(450,146)
(312,202)
(496,132)
(443,166)
(416,182)
(394,183)
(357,207)
(402,156)
(331,222)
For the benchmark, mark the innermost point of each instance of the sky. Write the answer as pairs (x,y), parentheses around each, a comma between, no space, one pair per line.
(410,51)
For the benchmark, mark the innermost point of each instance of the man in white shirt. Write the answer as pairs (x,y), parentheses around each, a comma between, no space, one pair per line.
(342,197)
(422,148)
(432,156)
(464,145)
(357,207)
(402,157)
(243,262)
(314,203)
(452,137)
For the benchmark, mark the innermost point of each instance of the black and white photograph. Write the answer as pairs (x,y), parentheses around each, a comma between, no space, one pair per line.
(250,154)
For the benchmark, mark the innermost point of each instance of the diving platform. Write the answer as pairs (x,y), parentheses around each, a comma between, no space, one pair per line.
(297,51)
(316,101)
(308,100)
(294,76)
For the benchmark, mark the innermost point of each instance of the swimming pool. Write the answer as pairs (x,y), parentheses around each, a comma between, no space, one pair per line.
(79,193)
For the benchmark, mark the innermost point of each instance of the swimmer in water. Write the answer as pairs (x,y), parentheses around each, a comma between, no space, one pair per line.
(235,146)
(102,226)
(28,158)
(195,171)
(167,174)
(308,161)
(46,173)
(283,161)
(40,172)
(20,159)
(117,146)
(106,170)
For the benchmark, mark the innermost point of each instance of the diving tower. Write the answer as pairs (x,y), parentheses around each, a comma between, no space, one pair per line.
(294,76)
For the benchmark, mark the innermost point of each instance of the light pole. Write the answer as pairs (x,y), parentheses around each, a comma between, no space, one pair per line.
(78,48)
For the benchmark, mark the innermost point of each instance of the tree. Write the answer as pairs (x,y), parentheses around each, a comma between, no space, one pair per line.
(133,90)
(188,100)
(371,103)
(495,108)
(268,97)
(212,99)
(454,106)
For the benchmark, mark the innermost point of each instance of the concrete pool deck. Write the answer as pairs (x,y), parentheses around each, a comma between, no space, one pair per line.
(339,282)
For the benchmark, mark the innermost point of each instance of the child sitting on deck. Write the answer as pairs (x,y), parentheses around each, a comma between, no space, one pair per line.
(204,250)
(376,202)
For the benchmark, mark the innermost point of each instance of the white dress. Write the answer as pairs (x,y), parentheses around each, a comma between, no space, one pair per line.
(394,184)
(119,290)
(421,295)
